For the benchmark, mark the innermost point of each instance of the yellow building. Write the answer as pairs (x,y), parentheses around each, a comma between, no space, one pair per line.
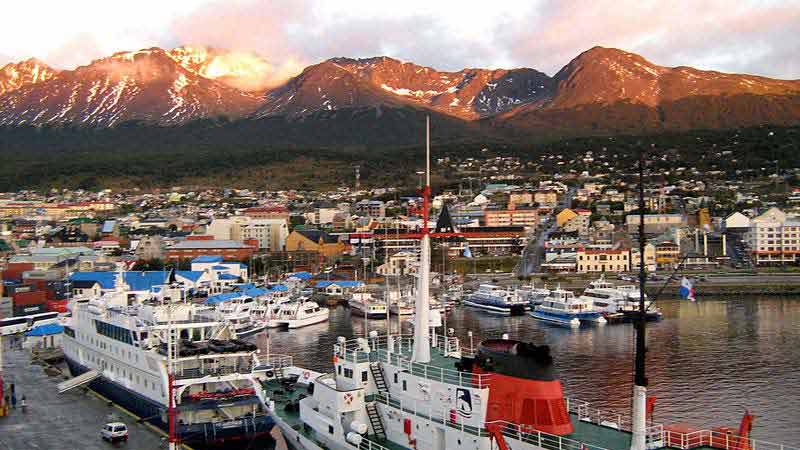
(565,216)
(315,241)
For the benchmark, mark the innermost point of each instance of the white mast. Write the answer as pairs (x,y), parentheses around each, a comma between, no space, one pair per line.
(422,345)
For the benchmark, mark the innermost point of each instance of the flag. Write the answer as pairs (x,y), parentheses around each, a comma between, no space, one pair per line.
(687,290)
(467,252)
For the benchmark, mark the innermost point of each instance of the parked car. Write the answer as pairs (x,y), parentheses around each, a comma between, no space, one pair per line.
(114,431)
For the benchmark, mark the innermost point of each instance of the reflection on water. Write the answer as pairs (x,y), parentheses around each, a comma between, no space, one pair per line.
(707,361)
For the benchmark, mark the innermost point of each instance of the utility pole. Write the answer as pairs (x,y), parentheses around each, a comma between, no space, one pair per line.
(639,413)
(172,352)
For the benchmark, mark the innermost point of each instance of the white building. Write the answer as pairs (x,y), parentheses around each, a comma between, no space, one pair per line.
(736,221)
(270,233)
(774,238)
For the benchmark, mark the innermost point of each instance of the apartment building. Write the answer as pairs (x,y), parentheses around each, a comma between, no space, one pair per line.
(774,238)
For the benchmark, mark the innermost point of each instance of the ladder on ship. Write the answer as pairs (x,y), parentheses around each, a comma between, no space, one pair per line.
(375,421)
(377,376)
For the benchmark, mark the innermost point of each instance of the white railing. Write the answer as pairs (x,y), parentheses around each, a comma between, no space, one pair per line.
(353,350)
(367,444)
(435,373)
(586,413)
(507,429)
(273,361)
(717,439)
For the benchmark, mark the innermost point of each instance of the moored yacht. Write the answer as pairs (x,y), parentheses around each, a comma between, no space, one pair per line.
(365,305)
(617,303)
(497,300)
(299,314)
(532,294)
(563,308)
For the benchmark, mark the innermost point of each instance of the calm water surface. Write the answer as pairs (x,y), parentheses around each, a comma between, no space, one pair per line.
(707,361)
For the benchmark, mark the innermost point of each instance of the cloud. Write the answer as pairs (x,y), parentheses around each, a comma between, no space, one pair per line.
(745,36)
(80,49)
(719,35)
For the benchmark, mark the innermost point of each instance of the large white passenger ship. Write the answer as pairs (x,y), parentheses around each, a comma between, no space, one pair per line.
(118,344)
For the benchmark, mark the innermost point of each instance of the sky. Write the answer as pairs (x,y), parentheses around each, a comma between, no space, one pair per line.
(741,36)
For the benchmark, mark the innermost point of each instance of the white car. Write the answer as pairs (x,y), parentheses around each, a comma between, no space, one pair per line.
(114,431)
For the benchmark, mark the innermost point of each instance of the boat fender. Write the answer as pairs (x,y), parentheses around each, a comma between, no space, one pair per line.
(354,438)
(359,427)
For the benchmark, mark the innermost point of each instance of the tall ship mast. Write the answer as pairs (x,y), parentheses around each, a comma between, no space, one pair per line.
(429,392)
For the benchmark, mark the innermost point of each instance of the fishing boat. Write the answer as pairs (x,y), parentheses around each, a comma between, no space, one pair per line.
(363,304)
(299,314)
(497,300)
(563,308)
(138,352)
(392,392)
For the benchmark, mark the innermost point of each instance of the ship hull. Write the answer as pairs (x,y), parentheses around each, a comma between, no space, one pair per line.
(244,434)
(503,310)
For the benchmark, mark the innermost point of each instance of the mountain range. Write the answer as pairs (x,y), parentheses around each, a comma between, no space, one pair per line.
(601,91)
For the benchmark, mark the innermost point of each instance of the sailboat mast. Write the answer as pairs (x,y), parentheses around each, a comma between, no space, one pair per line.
(639,413)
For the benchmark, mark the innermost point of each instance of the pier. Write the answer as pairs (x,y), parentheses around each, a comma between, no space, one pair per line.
(60,421)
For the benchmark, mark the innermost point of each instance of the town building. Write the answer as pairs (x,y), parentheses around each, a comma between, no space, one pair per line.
(774,238)
(603,260)
(371,208)
(655,223)
(227,249)
(526,217)
(269,233)
(316,241)
(667,254)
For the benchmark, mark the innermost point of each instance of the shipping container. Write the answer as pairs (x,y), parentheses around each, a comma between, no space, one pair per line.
(24,310)
(30,298)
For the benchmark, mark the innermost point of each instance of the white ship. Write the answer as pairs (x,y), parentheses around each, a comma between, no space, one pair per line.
(497,300)
(365,305)
(617,302)
(299,314)
(118,344)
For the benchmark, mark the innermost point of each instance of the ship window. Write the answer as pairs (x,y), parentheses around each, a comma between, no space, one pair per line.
(339,369)
(395,378)
(364,376)
(348,372)
(405,385)
(330,429)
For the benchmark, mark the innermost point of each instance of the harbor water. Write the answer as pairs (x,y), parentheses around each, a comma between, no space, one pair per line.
(708,361)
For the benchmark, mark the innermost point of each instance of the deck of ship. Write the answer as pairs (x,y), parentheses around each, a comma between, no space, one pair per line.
(593,429)
(289,395)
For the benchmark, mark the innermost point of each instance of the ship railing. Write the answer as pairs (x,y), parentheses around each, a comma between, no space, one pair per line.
(378,350)
(448,346)
(367,444)
(509,430)
(717,439)
(273,361)
(585,413)
(435,373)
(213,371)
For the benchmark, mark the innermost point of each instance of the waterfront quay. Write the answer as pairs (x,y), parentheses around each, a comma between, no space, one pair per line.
(60,421)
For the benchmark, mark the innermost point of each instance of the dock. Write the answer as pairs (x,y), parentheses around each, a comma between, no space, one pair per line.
(60,421)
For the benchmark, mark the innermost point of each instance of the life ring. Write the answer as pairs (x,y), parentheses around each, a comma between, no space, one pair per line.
(269,374)
(306,374)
